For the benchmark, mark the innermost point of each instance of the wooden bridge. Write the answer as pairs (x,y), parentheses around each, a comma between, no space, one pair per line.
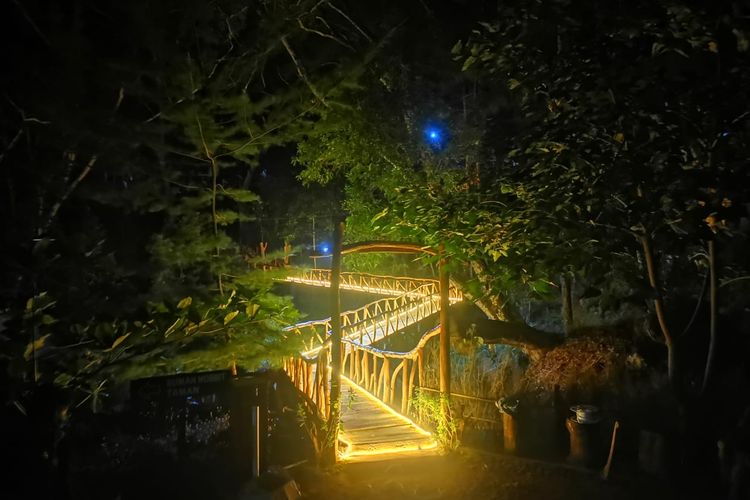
(377,385)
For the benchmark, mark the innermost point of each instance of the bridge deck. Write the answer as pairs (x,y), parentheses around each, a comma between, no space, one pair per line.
(371,429)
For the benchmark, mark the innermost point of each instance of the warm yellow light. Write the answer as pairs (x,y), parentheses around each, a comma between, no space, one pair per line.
(380,325)
(386,407)
(384,451)
(371,289)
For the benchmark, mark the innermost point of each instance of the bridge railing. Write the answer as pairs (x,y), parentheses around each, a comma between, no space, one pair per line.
(375,320)
(372,283)
(378,370)
(312,377)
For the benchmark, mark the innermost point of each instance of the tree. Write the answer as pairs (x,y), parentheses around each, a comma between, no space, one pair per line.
(126,168)
(605,154)
(564,157)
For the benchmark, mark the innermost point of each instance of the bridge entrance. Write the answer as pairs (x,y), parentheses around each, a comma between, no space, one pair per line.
(377,386)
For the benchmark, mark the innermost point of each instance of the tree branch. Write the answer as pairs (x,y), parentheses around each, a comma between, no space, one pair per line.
(356,26)
(214,178)
(32,23)
(324,35)
(73,185)
(301,72)
(11,144)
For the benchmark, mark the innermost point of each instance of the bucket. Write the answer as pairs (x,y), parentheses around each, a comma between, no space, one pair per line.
(586,414)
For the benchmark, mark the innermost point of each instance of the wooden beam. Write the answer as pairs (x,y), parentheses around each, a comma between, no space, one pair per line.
(386,247)
(445,343)
(336,359)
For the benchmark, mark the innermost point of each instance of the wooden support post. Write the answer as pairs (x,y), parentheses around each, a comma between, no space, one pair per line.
(335,399)
(405,386)
(287,251)
(310,381)
(445,343)
(392,395)
(365,369)
(411,386)
(386,380)
(378,379)
(420,364)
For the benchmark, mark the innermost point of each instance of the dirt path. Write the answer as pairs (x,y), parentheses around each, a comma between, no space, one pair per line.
(471,475)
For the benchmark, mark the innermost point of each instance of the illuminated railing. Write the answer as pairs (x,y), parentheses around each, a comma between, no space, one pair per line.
(373,372)
(377,370)
(311,376)
(374,321)
(371,283)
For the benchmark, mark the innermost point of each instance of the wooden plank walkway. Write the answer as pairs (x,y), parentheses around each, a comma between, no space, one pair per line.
(373,430)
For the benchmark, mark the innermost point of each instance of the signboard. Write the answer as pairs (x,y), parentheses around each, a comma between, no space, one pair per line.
(177,388)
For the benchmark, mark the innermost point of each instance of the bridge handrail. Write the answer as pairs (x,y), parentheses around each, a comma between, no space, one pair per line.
(355,323)
(374,377)
(396,354)
(368,366)
(367,281)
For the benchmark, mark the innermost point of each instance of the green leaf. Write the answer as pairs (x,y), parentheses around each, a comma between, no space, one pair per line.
(48,320)
(119,340)
(251,309)
(240,195)
(229,300)
(229,317)
(174,326)
(468,62)
(34,346)
(379,215)
(185,303)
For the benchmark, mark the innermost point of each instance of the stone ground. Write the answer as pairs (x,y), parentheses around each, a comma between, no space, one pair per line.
(472,474)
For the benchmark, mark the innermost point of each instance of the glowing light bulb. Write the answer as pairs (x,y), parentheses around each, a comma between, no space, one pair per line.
(434,136)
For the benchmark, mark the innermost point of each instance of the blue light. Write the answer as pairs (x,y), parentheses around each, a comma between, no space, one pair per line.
(434,136)
(324,248)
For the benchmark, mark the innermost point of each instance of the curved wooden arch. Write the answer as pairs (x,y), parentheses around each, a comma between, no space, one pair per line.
(386,247)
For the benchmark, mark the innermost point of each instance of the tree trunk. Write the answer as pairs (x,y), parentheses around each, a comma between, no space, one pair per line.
(445,345)
(493,305)
(659,308)
(713,304)
(567,303)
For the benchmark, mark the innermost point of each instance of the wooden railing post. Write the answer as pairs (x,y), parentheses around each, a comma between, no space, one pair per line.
(336,358)
(386,379)
(445,342)
(405,386)
(411,386)
(365,369)
(420,363)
